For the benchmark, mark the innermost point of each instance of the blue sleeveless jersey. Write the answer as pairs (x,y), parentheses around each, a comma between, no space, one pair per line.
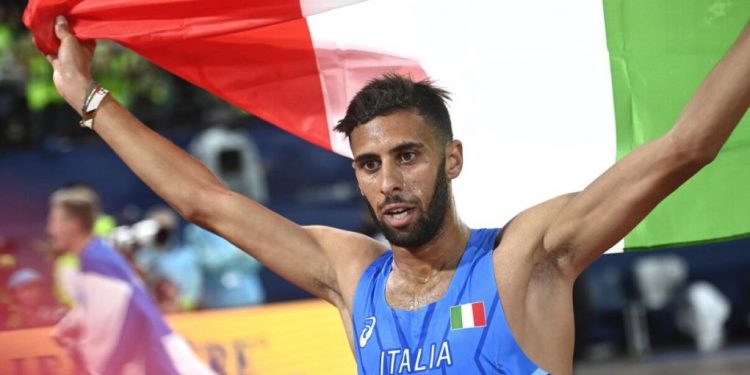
(465,332)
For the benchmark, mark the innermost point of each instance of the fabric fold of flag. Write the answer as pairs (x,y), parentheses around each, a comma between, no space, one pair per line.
(259,55)
(659,56)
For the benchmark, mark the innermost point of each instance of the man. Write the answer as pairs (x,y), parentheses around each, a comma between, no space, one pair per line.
(394,303)
(114,327)
(29,308)
(230,277)
(165,257)
(66,264)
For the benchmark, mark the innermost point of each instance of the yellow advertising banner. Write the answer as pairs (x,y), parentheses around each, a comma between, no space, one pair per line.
(299,338)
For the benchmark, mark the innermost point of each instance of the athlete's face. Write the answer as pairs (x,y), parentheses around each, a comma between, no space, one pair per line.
(404,172)
(61,228)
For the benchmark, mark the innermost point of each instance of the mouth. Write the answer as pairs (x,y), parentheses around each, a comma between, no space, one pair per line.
(399,216)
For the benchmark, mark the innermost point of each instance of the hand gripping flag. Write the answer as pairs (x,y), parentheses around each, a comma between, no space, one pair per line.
(256,54)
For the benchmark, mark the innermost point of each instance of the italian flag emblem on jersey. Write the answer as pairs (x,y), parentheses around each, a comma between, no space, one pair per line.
(468,315)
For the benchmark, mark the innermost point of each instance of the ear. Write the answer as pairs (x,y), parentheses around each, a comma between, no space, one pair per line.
(454,159)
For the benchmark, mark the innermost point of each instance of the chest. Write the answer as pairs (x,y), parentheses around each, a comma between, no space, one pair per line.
(436,337)
(401,294)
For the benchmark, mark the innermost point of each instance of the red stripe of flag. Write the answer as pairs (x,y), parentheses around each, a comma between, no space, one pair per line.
(478,311)
(256,54)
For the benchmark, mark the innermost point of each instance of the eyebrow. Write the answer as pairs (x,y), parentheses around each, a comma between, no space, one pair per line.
(399,148)
(406,146)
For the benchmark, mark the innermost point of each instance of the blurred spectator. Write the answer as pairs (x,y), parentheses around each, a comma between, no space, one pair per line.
(703,314)
(104,225)
(64,269)
(167,296)
(7,258)
(7,266)
(28,308)
(231,278)
(166,258)
(114,324)
(66,264)
(12,82)
(233,156)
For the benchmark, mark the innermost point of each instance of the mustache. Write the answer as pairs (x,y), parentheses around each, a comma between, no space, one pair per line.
(392,199)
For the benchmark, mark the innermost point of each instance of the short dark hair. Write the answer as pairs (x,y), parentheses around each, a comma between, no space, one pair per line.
(391,92)
(80,202)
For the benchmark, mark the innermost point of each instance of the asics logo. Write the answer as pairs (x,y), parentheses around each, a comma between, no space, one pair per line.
(367,331)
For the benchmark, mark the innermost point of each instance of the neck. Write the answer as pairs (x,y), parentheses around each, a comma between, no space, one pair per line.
(79,243)
(442,252)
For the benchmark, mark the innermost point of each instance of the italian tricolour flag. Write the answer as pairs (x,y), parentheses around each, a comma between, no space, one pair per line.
(550,92)
(468,315)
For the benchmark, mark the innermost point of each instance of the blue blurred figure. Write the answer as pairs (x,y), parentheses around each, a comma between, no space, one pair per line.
(166,258)
(231,278)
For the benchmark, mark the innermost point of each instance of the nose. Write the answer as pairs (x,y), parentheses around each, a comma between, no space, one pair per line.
(391,179)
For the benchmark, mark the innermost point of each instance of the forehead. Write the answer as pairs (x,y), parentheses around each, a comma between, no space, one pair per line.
(57,211)
(383,133)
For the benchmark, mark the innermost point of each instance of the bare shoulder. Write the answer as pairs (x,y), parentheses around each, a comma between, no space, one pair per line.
(349,253)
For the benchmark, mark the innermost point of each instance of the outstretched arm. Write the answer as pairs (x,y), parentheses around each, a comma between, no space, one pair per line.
(315,259)
(596,218)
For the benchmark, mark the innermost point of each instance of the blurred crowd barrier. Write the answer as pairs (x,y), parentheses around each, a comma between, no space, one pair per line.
(300,338)
(652,302)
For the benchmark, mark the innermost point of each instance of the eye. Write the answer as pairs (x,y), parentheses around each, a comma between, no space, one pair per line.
(370,165)
(407,156)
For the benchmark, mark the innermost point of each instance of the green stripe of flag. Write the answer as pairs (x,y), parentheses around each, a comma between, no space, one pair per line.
(456,321)
(660,51)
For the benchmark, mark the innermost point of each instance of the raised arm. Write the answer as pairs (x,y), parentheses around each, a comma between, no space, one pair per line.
(314,259)
(598,217)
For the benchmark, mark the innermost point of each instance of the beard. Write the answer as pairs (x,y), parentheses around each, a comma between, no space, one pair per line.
(428,224)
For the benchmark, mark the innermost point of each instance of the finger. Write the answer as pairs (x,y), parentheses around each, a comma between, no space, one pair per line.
(51,58)
(61,28)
